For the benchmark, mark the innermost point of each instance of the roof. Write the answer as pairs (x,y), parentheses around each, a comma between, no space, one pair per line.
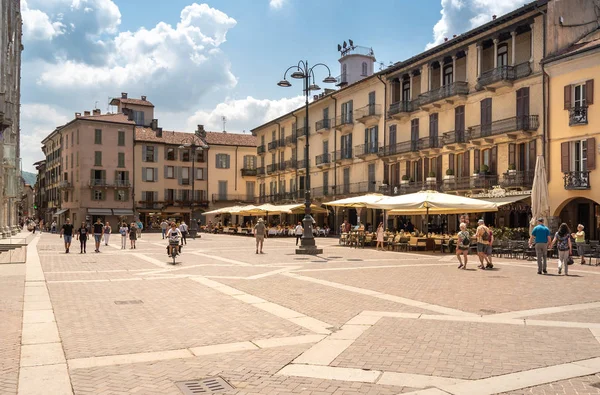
(221,138)
(113,118)
(168,137)
(587,43)
(137,102)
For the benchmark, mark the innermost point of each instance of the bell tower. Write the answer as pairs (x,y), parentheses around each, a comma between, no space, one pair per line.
(356,63)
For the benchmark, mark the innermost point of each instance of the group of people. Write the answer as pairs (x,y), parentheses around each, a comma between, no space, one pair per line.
(485,239)
(101,233)
(563,239)
(165,228)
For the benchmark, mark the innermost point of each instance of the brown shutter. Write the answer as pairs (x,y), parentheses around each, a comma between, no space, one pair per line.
(426,167)
(568,97)
(467,164)
(386,174)
(565,157)
(451,162)
(476,164)
(532,154)
(512,154)
(591,153)
(419,170)
(397,173)
(589,92)
(438,163)
(408,168)
(494,160)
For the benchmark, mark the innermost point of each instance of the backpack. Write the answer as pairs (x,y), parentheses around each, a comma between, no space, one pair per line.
(563,242)
(466,241)
(486,235)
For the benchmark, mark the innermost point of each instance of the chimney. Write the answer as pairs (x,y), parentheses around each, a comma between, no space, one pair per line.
(315,97)
(445,39)
(123,95)
(77,115)
(158,132)
(86,113)
(494,17)
(154,124)
(200,132)
(97,111)
(454,36)
(144,98)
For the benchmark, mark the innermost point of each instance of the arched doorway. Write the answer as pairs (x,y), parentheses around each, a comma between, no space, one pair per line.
(582,211)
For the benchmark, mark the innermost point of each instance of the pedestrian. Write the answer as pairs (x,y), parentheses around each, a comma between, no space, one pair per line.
(541,236)
(489,250)
(565,248)
(298,231)
(260,233)
(133,232)
(163,228)
(483,242)
(140,226)
(107,232)
(123,230)
(41,226)
(462,247)
(67,234)
(82,236)
(379,234)
(580,242)
(98,230)
(183,228)
(53,227)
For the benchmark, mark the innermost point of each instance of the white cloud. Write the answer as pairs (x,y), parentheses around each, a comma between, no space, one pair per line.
(38,26)
(276,4)
(243,114)
(459,16)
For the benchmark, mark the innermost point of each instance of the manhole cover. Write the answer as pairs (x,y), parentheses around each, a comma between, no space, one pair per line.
(488,311)
(595,385)
(128,302)
(210,385)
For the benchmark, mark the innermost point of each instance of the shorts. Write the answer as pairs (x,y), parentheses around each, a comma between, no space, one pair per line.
(488,250)
(260,239)
(97,237)
(482,247)
(68,238)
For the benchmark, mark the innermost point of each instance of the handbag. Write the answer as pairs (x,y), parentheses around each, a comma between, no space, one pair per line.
(570,260)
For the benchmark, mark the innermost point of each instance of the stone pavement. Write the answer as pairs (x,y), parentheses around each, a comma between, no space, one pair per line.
(352,321)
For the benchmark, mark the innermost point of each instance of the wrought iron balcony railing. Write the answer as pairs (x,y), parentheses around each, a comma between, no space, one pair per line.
(402,106)
(504,73)
(370,110)
(260,149)
(524,123)
(260,171)
(449,90)
(454,137)
(301,164)
(428,143)
(273,145)
(578,116)
(249,172)
(517,179)
(366,149)
(577,180)
(344,119)
(219,197)
(399,148)
(357,187)
(290,164)
(342,154)
(302,131)
(322,125)
(323,159)
(114,184)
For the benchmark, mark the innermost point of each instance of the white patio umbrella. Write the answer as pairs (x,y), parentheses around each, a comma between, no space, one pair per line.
(539,193)
(358,202)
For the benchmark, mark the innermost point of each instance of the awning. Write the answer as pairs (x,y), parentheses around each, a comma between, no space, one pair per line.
(99,211)
(502,201)
(59,212)
(122,211)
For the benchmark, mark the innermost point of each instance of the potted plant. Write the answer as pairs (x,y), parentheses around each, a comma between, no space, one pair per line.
(405,180)
(431,178)
(512,169)
(476,172)
(449,175)
(483,170)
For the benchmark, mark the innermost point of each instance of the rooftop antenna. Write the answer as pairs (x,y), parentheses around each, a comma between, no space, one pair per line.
(351,42)
(224,120)
(96,105)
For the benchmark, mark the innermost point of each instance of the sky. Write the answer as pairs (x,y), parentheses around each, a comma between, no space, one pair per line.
(198,62)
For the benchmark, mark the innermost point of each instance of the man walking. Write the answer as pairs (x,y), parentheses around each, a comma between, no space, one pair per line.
(163,228)
(541,236)
(140,226)
(98,233)
(67,234)
(483,242)
(183,228)
(260,233)
(298,232)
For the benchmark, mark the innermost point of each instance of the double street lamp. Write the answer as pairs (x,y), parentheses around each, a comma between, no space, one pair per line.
(193,147)
(302,71)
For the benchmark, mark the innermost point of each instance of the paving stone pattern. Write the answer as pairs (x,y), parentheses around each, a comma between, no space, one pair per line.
(576,386)
(11,314)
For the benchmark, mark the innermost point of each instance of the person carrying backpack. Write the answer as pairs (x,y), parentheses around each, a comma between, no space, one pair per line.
(483,242)
(565,248)
(462,247)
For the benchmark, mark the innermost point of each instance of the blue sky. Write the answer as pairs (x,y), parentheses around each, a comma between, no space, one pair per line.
(199,61)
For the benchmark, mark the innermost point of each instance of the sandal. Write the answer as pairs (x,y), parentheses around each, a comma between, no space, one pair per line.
(460,266)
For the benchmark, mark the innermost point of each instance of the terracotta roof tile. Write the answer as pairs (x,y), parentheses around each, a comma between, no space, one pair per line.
(217,138)
(116,118)
(168,137)
(137,102)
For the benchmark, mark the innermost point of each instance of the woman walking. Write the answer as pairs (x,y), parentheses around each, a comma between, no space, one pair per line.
(298,232)
(82,236)
(123,230)
(133,235)
(565,248)
(379,237)
(579,237)
(107,232)
(462,247)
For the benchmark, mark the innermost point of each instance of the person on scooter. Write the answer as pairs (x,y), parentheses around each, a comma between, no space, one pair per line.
(173,235)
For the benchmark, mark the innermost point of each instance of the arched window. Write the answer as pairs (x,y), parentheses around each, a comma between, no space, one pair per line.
(406,91)
(502,55)
(448,75)
(364,68)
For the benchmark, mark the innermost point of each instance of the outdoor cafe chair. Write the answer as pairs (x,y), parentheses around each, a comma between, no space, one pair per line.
(438,244)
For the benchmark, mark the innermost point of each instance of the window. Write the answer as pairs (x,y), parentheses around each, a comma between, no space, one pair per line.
(371,175)
(486,117)
(97,194)
(169,194)
(121,138)
(121,159)
(250,190)
(185,155)
(98,158)
(122,178)
(121,195)
(98,136)
(222,161)
(393,139)
(406,91)
(371,136)
(414,133)
(346,188)
(170,153)
(580,155)
(199,155)
(149,174)
(448,75)
(77,157)
(71,160)
(199,174)
(346,146)
(579,96)
(249,162)
(433,130)
(67,162)
(169,172)
(185,176)
(72,139)
(502,55)
(365,69)
(347,112)
(67,140)
(138,117)
(222,190)
(325,183)
(149,153)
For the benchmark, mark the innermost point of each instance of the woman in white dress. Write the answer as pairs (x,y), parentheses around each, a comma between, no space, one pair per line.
(379,234)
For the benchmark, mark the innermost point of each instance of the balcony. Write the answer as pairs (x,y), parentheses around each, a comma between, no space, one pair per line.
(517,180)
(344,122)
(149,204)
(273,145)
(502,76)
(281,166)
(323,125)
(405,187)
(260,150)
(301,164)
(65,185)
(478,182)
(366,149)
(399,148)
(290,165)
(357,188)
(272,168)
(249,172)
(368,115)
(455,137)
(290,140)
(320,192)
(323,160)
(526,123)
(401,109)
(6,113)
(344,154)
(302,131)
(187,203)
(449,93)
(260,171)
(429,143)
(342,80)
(577,180)
(219,197)
(578,116)
(106,184)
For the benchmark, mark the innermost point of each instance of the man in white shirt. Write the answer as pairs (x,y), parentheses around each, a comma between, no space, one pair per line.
(298,232)
(183,228)
(163,227)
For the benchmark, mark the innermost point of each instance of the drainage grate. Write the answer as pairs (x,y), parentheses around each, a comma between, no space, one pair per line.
(128,302)
(211,385)
(595,385)
(488,311)
(354,260)
(498,277)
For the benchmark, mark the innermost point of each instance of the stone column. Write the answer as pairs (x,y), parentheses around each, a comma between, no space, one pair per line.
(513,35)
(479,53)
(466,65)
(453,68)
(496,52)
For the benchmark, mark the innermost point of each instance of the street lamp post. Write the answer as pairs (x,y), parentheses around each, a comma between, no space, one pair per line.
(304,72)
(193,148)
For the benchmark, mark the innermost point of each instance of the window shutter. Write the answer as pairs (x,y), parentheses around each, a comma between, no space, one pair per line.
(116,176)
(143,153)
(126,175)
(476,164)
(419,170)
(178,172)
(532,154)
(467,164)
(144,174)
(438,163)
(103,175)
(512,154)
(494,160)
(386,174)
(166,173)
(450,162)
(565,157)
(591,153)
(376,142)
(155,196)
(426,167)
(366,138)
(408,168)
(91,177)
(589,92)
(568,103)
(228,163)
